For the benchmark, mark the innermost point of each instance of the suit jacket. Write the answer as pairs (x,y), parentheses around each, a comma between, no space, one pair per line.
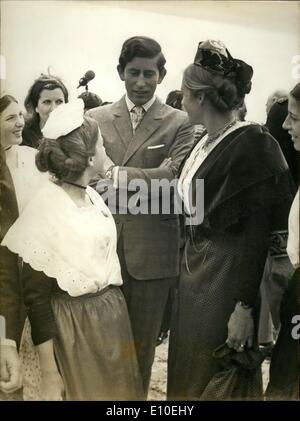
(151,242)
(11,303)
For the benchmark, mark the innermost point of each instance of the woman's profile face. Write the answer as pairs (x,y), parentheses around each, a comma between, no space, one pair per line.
(190,104)
(100,155)
(12,123)
(48,101)
(292,121)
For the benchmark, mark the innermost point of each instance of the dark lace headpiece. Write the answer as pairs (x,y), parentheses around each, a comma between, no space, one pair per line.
(214,57)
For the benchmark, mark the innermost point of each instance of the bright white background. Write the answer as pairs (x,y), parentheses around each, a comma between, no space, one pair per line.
(75,36)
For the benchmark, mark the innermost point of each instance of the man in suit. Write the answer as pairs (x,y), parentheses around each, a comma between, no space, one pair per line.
(146,140)
(11,314)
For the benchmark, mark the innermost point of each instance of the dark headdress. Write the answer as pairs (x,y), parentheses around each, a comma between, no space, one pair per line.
(213,56)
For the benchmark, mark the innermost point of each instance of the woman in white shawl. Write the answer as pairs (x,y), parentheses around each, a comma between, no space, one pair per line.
(67,239)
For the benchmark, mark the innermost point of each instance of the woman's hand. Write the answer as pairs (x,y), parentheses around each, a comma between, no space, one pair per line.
(52,387)
(240,328)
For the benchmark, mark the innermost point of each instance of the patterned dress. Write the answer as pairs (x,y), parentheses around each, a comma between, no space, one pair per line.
(224,255)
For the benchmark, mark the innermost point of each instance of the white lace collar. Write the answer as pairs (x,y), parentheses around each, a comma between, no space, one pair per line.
(76,247)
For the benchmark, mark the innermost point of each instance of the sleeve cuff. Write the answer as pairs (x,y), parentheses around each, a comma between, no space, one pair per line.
(8,342)
(42,323)
(115,177)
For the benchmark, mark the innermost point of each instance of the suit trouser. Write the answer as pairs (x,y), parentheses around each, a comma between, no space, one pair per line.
(146,300)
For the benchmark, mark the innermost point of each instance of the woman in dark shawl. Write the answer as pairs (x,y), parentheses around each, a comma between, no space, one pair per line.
(246,183)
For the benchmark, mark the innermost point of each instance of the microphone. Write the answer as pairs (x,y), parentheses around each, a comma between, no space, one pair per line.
(86,78)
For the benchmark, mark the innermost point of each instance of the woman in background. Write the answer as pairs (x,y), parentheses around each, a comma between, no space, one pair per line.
(27,180)
(11,302)
(284,368)
(278,268)
(275,119)
(20,159)
(46,93)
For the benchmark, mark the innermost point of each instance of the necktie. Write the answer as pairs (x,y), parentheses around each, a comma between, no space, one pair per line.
(137,114)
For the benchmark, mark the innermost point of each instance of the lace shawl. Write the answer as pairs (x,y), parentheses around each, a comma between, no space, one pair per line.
(77,246)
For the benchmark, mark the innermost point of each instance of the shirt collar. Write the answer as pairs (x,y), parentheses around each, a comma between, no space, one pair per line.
(131,105)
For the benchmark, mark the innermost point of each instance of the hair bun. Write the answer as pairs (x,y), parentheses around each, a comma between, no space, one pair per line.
(244,73)
(69,163)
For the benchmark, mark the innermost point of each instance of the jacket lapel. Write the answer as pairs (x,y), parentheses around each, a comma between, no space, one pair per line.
(150,123)
(122,122)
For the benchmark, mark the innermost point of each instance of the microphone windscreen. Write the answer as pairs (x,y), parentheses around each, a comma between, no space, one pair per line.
(89,75)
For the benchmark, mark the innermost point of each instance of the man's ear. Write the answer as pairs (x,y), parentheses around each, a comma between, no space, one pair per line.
(121,72)
(162,74)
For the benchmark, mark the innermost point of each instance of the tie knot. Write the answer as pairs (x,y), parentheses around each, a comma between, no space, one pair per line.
(138,110)
(137,114)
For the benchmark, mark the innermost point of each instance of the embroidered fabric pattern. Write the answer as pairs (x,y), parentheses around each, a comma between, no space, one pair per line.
(51,241)
(137,114)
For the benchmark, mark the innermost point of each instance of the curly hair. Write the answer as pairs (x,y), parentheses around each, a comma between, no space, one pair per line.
(67,157)
(41,83)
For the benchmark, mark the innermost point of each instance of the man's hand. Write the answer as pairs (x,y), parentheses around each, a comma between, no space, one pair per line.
(10,369)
